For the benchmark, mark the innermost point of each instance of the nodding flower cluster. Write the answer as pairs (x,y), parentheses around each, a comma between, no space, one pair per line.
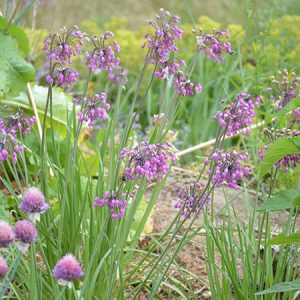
(103,57)
(147,160)
(192,199)
(67,269)
(238,115)
(12,129)
(162,47)
(114,202)
(226,168)
(213,45)
(61,48)
(286,88)
(93,109)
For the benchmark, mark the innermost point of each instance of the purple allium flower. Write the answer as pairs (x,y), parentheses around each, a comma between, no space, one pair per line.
(192,199)
(67,269)
(33,203)
(213,45)
(93,109)
(238,115)
(169,67)
(3,267)
(226,168)
(103,56)
(287,88)
(63,46)
(118,74)
(147,160)
(7,235)
(162,43)
(26,234)
(115,203)
(184,86)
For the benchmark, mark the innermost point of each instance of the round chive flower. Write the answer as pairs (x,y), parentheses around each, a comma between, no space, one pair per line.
(192,199)
(148,160)
(67,269)
(26,234)
(115,203)
(213,45)
(7,235)
(3,267)
(33,203)
(238,115)
(226,168)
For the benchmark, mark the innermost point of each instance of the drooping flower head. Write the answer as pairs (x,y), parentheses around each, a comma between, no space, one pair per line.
(151,161)
(115,203)
(104,54)
(162,43)
(184,86)
(226,168)
(214,45)
(25,233)
(67,269)
(93,109)
(61,48)
(33,203)
(192,199)
(3,267)
(7,235)
(238,115)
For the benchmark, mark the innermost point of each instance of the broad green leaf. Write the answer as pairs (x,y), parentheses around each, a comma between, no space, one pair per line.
(293,104)
(283,200)
(18,34)
(282,239)
(15,72)
(279,149)
(62,103)
(281,287)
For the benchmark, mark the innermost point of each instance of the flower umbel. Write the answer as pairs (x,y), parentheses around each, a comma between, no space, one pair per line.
(192,199)
(115,203)
(147,160)
(67,269)
(226,168)
(26,234)
(7,235)
(238,115)
(33,203)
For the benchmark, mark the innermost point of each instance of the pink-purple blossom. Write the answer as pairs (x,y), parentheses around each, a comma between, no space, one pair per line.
(25,232)
(33,203)
(227,168)
(116,203)
(214,45)
(185,86)
(151,161)
(162,43)
(104,54)
(238,115)
(7,235)
(3,267)
(67,269)
(192,199)
(93,109)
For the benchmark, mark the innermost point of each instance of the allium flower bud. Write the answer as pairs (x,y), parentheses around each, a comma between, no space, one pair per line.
(7,235)
(34,204)
(3,267)
(26,234)
(67,269)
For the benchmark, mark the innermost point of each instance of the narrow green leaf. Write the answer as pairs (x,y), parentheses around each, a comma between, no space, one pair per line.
(293,104)
(280,287)
(282,239)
